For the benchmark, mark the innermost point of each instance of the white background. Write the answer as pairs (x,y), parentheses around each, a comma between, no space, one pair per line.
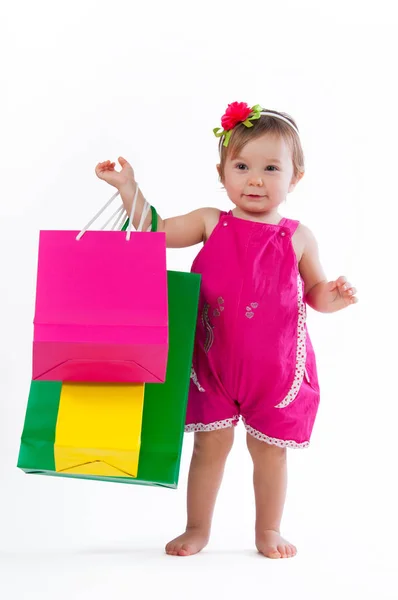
(87,81)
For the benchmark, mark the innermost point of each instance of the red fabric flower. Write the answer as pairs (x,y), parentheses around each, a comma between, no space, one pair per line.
(237,112)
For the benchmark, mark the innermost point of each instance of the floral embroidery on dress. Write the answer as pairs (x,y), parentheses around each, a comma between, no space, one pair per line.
(217,311)
(249,310)
(208,327)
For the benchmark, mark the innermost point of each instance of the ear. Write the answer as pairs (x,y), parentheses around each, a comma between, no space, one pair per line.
(295,181)
(219,172)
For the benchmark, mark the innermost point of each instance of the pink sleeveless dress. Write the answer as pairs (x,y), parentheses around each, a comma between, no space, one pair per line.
(253,356)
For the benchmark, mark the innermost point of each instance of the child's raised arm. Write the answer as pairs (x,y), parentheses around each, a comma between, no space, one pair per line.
(182,231)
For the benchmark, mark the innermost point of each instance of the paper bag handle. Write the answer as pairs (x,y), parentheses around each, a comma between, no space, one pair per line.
(119,214)
(154,221)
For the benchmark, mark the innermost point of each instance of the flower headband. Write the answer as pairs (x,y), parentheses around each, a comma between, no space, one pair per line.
(240,112)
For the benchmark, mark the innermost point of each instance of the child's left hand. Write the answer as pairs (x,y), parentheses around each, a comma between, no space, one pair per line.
(342,294)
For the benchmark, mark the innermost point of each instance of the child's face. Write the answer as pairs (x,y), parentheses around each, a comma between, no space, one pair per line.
(259,179)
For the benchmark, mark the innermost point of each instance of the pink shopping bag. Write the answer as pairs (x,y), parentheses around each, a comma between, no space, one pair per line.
(101,306)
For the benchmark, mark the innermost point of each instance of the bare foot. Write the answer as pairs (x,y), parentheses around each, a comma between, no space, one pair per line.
(272,545)
(190,542)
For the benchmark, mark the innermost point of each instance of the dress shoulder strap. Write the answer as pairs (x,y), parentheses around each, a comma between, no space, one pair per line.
(290,224)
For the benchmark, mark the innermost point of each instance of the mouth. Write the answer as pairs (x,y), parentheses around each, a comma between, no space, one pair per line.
(254,196)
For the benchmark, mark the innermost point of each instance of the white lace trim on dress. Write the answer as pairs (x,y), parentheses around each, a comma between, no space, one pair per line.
(194,378)
(211,426)
(301,353)
(274,441)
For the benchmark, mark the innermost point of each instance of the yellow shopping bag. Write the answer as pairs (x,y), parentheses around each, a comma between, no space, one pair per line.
(98,430)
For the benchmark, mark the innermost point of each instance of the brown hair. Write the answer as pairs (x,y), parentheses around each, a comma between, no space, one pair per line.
(241,135)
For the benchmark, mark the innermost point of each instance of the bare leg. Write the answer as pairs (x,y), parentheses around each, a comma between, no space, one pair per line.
(210,452)
(270,480)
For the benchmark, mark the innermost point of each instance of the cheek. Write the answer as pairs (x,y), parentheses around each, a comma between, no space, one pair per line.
(232,181)
(233,187)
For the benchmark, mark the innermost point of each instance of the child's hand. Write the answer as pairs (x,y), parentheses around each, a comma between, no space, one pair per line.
(119,179)
(342,292)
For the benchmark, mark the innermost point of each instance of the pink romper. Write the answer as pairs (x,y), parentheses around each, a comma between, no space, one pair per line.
(253,356)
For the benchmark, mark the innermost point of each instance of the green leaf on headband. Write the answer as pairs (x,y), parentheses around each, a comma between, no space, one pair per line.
(218,132)
(227,136)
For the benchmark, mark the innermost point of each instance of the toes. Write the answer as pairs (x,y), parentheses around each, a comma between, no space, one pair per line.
(273,553)
(171,549)
(290,551)
(282,550)
(179,550)
(185,550)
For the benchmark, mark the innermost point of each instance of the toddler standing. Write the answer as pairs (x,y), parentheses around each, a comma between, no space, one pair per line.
(253,357)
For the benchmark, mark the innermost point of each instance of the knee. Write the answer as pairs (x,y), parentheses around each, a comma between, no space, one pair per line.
(214,444)
(264,450)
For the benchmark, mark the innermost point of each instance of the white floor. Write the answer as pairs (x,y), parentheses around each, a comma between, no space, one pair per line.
(323,570)
(87,540)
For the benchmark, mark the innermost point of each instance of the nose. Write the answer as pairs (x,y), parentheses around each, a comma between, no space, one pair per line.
(256,182)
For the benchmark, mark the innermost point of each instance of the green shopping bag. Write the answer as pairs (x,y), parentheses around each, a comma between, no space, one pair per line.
(165,404)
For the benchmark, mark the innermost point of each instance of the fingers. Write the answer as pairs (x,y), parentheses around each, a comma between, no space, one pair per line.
(346,289)
(341,281)
(107,165)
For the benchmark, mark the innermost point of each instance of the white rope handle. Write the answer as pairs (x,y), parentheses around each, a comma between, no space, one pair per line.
(115,214)
(120,215)
(99,213)
(144,215)
(137,189)
(119,223)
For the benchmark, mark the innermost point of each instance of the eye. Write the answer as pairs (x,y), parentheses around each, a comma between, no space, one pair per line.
(272,167)
(239,165)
